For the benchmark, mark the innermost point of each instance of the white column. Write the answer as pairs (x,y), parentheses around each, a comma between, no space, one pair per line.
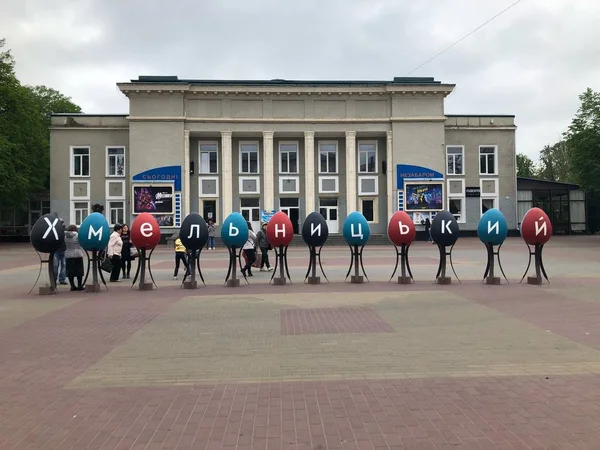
(186,175)
(309,172)
(268,174)
(351,180)
(391,201)
(226,174)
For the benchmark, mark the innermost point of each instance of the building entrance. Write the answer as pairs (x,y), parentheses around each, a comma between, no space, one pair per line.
(250,209)
(290,207)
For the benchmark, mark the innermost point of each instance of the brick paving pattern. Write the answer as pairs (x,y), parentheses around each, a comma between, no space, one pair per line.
(376,366)
(332,321)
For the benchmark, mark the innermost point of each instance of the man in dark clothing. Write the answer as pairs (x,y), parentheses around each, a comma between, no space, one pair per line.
(60,262)
(263,244)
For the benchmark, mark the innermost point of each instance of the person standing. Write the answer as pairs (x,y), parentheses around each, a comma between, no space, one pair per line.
(115,247)
(126,252)
(59,263)
(250,251)
(263,245)
(180,257)
(74,258)
(210,245)
(428,230)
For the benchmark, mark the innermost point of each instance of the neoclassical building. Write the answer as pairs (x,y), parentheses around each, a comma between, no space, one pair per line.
(218,146)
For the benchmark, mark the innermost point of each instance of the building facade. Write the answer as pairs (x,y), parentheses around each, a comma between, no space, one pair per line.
(215,147)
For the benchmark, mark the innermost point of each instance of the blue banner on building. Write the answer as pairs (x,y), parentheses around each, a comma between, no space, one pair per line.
(408,172)
(161,174)
(265,215)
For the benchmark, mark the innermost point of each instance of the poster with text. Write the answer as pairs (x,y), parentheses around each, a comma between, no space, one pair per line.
(424,197)
(153,199)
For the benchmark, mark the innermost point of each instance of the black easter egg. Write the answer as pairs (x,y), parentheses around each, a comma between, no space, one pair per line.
(48,233)
(314,230)
(444,229)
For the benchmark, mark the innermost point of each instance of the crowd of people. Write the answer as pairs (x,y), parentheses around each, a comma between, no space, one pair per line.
(120,252)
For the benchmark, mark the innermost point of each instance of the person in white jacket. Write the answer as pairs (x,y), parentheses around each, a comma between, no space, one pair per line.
(115,245)
(250,251)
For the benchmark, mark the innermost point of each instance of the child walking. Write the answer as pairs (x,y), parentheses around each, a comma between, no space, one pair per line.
(210,245)
(180,257)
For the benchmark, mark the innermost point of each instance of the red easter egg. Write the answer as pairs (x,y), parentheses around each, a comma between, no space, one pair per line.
(145,232)
(536,227)
(401,229)
(280,230)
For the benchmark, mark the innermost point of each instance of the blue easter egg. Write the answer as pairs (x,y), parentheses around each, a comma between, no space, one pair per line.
(492,227)
(94,232)
(356,229)
(234,231)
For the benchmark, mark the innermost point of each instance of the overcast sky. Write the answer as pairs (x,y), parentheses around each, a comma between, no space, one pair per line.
(533,61)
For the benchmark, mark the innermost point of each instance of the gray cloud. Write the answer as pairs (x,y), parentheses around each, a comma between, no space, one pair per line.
(533,61)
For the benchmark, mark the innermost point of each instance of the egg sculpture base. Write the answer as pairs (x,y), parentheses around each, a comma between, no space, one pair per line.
(143,262)
(281,263)
(540,271)
(50,287)
(193,264)
(94,267)
(234,257)
(356,259)
(402,258)
(314,255)
(445,255)
(492,254)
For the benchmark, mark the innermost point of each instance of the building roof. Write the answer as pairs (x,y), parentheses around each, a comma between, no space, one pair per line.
(536,183)
(159,79)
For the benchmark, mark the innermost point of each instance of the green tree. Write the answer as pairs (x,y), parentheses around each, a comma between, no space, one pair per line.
(24,133)
(555,163)
(583,137)
(525,166)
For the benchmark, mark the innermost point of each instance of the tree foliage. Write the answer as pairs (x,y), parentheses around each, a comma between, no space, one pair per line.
(24,133)
(583,137)
(525,166)
(555,163)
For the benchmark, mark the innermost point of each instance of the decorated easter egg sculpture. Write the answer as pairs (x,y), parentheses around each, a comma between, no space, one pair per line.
(234,233)
(402,233)
(47,236)
(314,233)
(280,232)
(145,236)
(492,231)
(356,234)
(194,236)
(444,232)
(536,230)
(93,235)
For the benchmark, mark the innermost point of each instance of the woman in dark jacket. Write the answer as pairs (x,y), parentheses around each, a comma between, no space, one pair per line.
(126,252)
(74,258)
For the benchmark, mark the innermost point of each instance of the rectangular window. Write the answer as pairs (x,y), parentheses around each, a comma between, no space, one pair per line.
(80,211)
(80,161)
(454,160)
(368,209)
(208,158)
(115,161)
(456,206)
(487,203)
(367,157)
(288,157)
(328,161)
(116,212)
(249,157)
(487,160)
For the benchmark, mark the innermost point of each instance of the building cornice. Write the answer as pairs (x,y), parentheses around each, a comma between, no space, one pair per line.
(287,120)
(483,128)
(136,89)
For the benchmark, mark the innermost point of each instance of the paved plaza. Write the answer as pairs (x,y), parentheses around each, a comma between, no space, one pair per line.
(334,366)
